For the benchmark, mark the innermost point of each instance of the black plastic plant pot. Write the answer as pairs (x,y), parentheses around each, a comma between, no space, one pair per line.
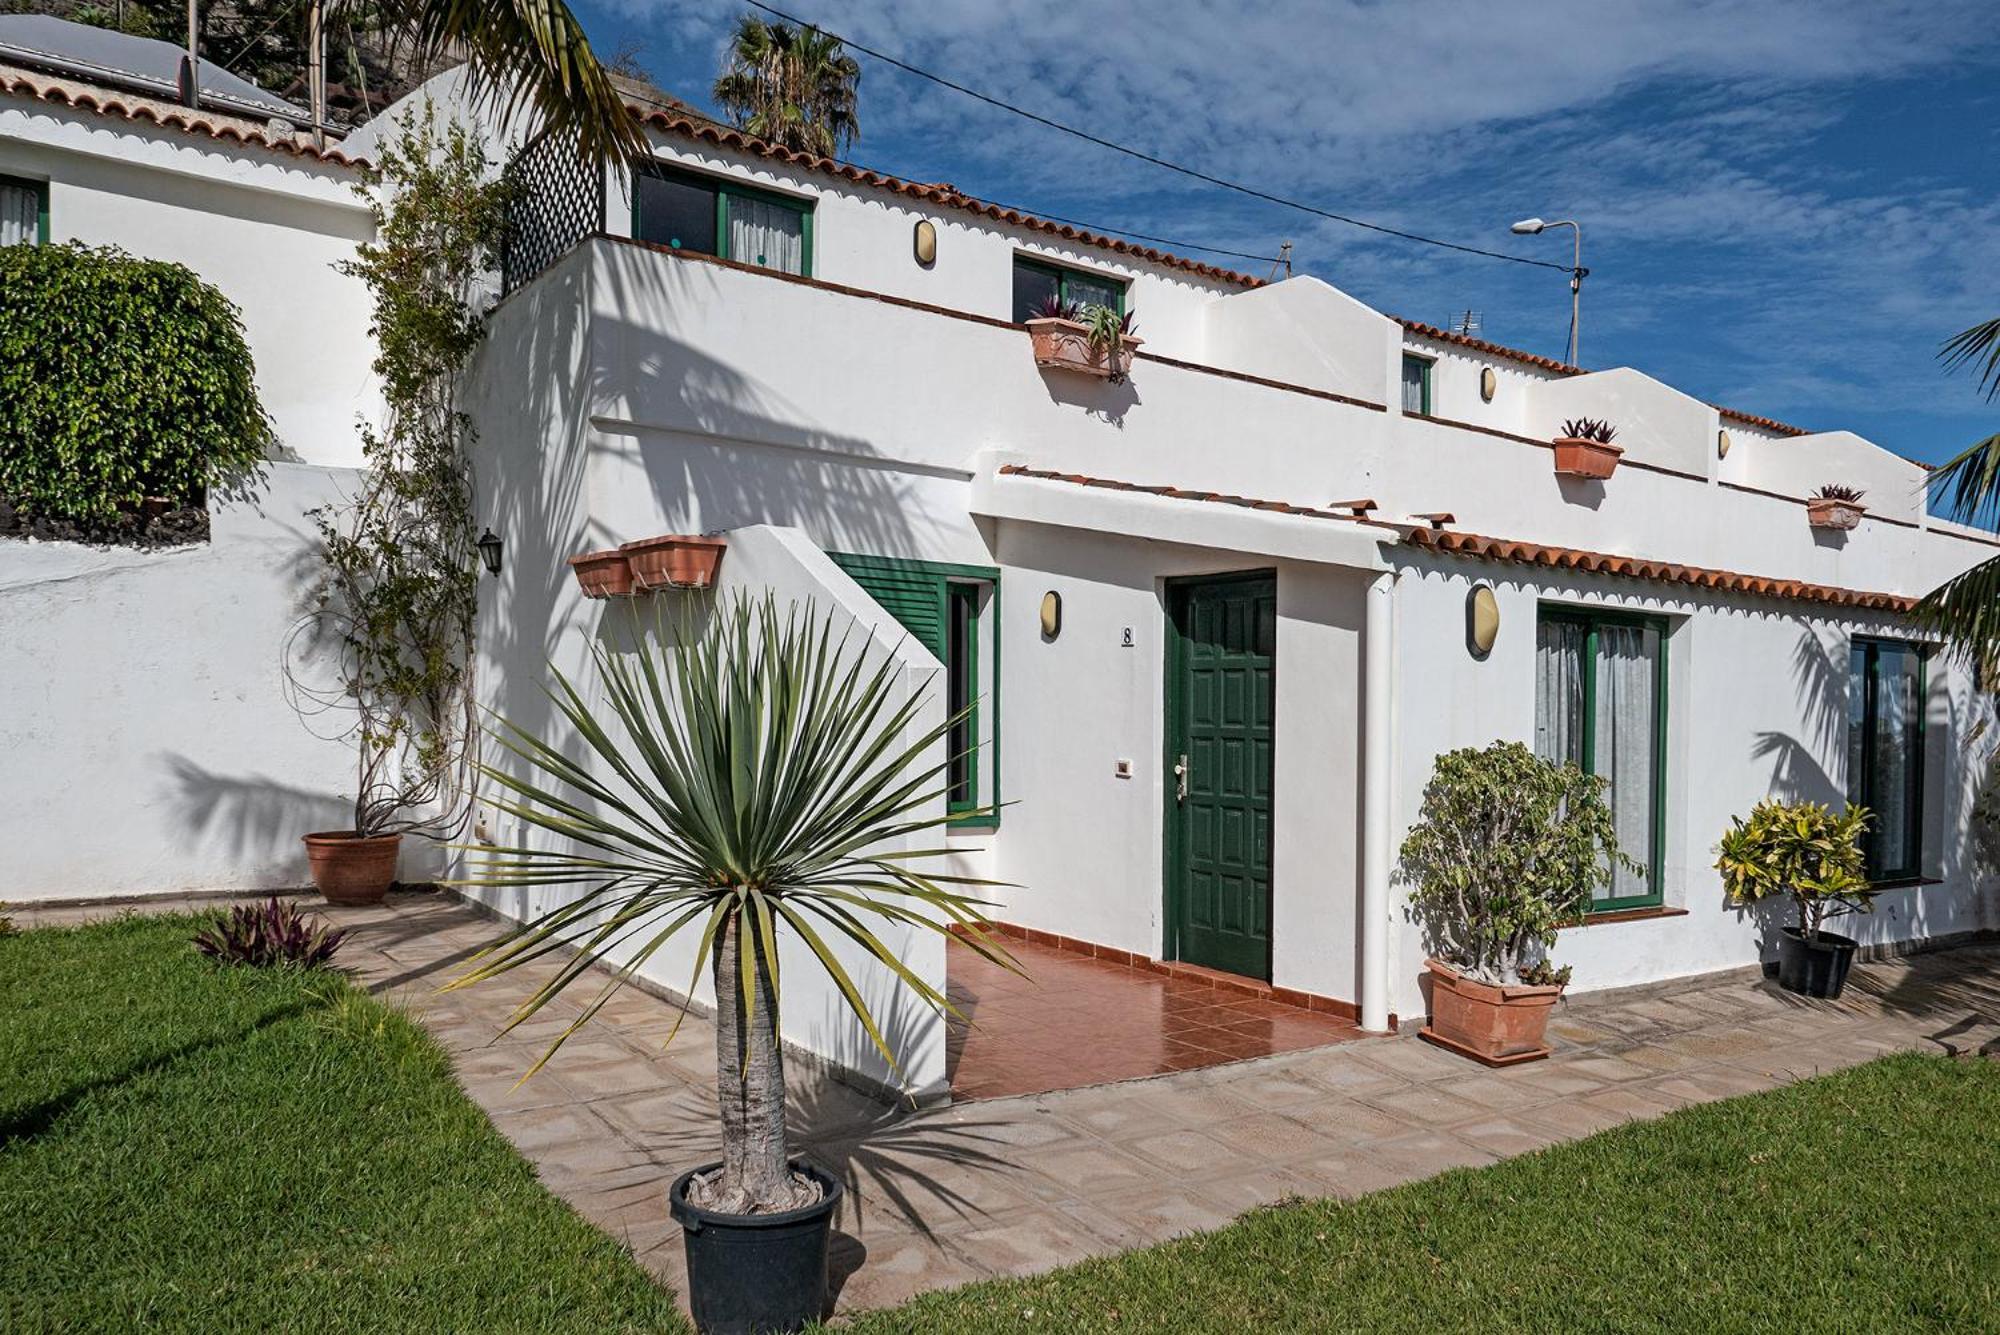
(753,1273)
(1816,968)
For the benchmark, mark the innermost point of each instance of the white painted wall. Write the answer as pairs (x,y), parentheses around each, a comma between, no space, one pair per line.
(265,228)
(1757,705)
(143,708)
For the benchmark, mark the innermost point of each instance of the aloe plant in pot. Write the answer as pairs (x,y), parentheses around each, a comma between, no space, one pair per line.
(749,780)
(1812,854)
(1097,340)
(1584,448)
(1506,850)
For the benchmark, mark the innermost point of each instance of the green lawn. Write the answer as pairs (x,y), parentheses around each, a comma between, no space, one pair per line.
(1863,1201)
(192,1147)
(199,1148)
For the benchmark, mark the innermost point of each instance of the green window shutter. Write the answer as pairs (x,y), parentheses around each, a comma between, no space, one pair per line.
(906,591)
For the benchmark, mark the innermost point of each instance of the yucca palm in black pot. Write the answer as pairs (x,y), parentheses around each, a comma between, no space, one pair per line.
(763,775)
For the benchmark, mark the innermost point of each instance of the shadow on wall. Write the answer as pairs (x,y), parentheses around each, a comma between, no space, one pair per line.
(1798,768)
(260,818)
(719,447)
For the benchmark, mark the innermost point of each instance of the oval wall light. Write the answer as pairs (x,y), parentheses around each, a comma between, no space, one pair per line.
(1722,444)
(1489,384)
(1051,615)
(925,242)
(1482,620)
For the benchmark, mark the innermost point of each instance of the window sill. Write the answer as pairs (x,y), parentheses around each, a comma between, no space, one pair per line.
(1626,915)
(972,825)
(1905,883)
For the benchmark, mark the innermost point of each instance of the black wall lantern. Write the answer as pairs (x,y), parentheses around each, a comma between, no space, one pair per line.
(489,551)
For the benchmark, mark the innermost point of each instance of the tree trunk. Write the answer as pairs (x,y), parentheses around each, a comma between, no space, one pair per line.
(750,1081)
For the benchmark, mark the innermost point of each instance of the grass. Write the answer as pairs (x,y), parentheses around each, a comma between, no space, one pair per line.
(186,1146)
(1862,1201)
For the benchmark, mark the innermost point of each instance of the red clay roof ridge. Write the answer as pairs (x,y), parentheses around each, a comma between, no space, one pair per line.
(224,126)
(942,194)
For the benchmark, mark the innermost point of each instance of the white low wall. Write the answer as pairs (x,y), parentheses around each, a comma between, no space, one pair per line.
(150,746)
(813,1014)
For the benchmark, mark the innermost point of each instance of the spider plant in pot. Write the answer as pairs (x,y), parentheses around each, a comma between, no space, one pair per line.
(1835,506)
(1814,855)
(1584,448)
(764,775)
(1506,851)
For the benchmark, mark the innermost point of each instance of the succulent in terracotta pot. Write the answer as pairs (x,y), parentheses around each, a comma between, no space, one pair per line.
(1584,448)
(1096,340)
(1836,506)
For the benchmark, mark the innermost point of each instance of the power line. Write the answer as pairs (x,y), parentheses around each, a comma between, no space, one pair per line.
(1089,138)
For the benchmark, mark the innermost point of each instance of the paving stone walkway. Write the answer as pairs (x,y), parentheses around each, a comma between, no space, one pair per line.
(1014,1185)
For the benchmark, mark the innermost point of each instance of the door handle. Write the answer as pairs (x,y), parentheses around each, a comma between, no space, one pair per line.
(1181,770)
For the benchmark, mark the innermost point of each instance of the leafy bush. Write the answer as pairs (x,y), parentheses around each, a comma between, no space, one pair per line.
(269,936)
(1802,849)
(1506,850)
(120,379)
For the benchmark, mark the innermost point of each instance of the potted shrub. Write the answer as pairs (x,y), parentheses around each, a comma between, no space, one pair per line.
(1506,850)
(1835,506)
(605,574)
(1810,852)
(399,581)
(1095,340)
(674,561)
(792,726)
(1584,449)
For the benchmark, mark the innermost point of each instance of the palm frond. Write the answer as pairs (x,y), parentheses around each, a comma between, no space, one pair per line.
(1978,346)
(525,53)
(768,771)
(1965,611)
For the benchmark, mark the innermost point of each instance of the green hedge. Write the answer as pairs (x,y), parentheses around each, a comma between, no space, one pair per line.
(120,378)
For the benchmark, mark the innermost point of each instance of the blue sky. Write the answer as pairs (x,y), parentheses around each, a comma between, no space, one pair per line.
(1788,204)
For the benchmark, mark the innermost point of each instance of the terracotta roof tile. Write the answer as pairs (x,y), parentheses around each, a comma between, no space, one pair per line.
(1437,335)
(132,107)
(1476,546)
(943,195)
(1604,563)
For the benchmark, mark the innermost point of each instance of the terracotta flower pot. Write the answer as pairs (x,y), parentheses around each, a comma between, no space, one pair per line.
(1499,1026)
(1827,512)
(1577,457)
(1066,344)
(352,868)
(605,574)
(675,561)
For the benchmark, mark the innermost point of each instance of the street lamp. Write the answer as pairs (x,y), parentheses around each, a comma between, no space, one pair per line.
(1535,227)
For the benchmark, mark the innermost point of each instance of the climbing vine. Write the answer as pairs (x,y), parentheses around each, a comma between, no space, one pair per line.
(399,583)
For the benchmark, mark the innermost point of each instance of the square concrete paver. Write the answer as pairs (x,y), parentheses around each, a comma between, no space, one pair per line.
(1017,1184)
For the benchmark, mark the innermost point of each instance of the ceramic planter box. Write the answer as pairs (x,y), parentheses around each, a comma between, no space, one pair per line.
(1577,457)
(1065,344)
(604,574)
(675,561)
(1824,512)
(1499,1026)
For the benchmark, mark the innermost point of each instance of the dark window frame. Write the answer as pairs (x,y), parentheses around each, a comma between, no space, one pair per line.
(724,187)
(1591,618)
(1063,273)
(1429,365)
(41,190)
(1861,787)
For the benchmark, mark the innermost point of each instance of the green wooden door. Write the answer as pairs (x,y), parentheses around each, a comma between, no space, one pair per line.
(1221,657)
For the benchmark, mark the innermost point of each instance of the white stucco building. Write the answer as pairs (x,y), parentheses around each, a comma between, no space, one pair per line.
(1214,615)
(1263,544)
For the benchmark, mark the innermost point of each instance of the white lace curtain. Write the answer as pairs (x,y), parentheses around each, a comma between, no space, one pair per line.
(20,214)
(1625,674)
(766,234)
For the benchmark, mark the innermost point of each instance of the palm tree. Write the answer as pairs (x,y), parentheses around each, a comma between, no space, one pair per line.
(522,53)
(1966,608)
(750,779)
(791,87)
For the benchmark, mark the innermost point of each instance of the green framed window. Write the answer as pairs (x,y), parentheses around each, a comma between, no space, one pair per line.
(711,215)
(952,610)
(1601,702)
(24,212)
(1417,383)
(1035,283)
(1885,752)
